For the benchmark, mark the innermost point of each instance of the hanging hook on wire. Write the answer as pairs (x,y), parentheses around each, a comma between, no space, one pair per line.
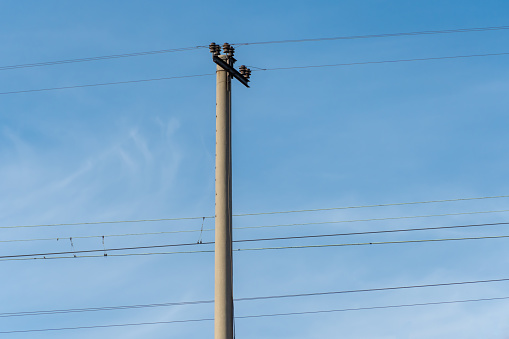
(201,232)
(105,254)
(72,246)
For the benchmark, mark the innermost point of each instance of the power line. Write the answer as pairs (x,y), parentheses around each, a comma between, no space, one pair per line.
(105,84)
(105,235)
(267,213)
(165,51)
(106,222)
(104,57)
(372,307)
(375,205)
(260,69)
(379,62)
(106,326)
(102,255)
(54,255)
(374,289)
(102,250)
(258,315)
(281,238)
(373,232)
(266,239)
(386,35)
(373,243)
(111,308)
(372,219)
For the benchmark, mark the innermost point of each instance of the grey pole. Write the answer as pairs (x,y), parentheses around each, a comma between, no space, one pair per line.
(223,290)
(223,306)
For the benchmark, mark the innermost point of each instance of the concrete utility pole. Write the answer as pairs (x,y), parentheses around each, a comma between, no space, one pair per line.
(223,305)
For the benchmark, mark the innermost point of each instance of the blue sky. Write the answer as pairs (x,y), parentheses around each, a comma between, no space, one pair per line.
(303,139)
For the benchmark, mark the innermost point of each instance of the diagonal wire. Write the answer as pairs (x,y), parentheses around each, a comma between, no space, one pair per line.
(105,84)
(372,219)
(373,243)
(380,62)
(258,315)
(258,70)
(196,302)
(55,255)
(104,57)
(280,238)
(376,205)
(164,51)
(105,222)
(370,36)
(274,212)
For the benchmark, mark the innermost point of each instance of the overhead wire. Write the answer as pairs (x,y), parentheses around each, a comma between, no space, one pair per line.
(258,315)
(258,70)
(374,205)
(371,219)
(308,236)
(370,36)
(106,84)
(196,302)
(372,232)
(374,307)
(104,57)
(173,50)
(379,62)
(265,213)
(105,222)
(57,255)
(373,243)
(103,250)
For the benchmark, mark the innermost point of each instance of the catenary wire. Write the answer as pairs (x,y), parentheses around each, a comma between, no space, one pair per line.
(103,250)
(372,219)
(280,238)
(258,315)
(54,255)
(164,51)
(257,70)
(263,213)
(373,243)
(106,222)
(375,205)
(196,302)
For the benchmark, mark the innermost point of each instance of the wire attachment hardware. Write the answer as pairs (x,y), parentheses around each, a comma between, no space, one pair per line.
(227,63)
(215,49)
(246,72)
(228,50)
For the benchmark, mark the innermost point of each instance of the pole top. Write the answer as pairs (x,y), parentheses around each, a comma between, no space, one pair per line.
(227,60)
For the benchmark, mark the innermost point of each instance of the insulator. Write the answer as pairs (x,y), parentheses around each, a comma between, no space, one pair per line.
(248,73)
(212,47)
(242,69)
(226,48)
(215,49)
(231,52)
